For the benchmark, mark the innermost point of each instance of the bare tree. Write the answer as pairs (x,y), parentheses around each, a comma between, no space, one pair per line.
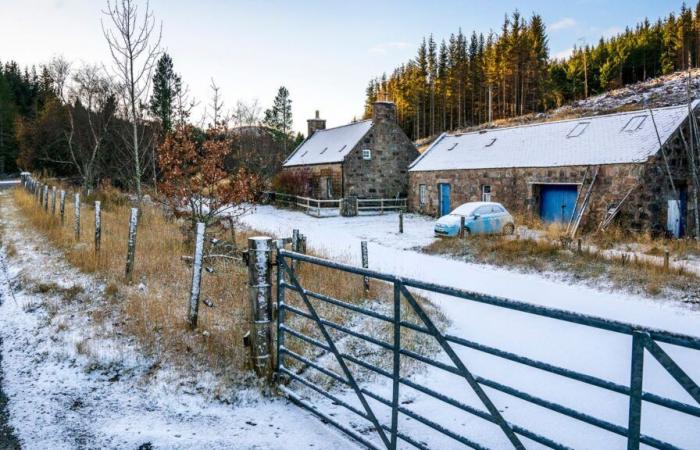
(134,43)
(217,116)
(85,115)
(91,116)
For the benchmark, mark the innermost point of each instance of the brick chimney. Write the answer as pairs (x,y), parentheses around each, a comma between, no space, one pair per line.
(315,124)
(384,111)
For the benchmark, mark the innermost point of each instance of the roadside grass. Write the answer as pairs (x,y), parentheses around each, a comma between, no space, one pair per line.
(545,255)
(153,307)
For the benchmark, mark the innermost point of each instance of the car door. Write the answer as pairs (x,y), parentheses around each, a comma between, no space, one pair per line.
(480,223)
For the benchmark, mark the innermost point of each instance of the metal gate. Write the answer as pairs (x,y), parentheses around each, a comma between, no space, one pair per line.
(388,434)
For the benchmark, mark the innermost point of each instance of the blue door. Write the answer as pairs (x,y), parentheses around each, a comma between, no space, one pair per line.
(557,202)
(444,199)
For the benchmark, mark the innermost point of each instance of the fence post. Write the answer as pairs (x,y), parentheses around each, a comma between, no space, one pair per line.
(46,198)
(260,294)
(53,201)
(98,226)
(667,260)
(196,276)
(365,263)
(295,246)
(77,216)
(462,226)
(578,249)
(401,222)
(279,362)
(63,205)
(131,246)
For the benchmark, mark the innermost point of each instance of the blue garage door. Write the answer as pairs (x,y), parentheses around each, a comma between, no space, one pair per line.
(557,202)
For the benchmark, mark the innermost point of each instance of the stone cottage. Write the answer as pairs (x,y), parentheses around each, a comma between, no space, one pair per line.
(367,159)
(634,164)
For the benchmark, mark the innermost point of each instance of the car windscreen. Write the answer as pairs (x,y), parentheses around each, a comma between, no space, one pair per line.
(464,210)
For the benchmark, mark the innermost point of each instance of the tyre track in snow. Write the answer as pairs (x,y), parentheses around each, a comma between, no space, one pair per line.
(8,441)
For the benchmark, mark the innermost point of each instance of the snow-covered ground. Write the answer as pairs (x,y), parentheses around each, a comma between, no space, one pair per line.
(72,386)
(602,354)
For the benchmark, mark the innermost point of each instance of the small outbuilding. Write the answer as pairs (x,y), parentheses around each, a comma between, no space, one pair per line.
(633,167)
(365,159)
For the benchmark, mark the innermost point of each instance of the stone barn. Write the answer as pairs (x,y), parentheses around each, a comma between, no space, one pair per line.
(366,159)
(632,168)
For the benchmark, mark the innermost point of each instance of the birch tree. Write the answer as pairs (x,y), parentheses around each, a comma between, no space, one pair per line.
(134,40)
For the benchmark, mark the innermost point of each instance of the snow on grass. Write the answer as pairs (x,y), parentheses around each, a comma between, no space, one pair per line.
(71,384)
(584,349)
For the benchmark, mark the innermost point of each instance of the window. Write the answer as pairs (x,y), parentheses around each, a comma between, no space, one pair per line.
(634,124)
(484,210)
(490,142)
(422,194)
(578,130)
(486,193)
(366,154)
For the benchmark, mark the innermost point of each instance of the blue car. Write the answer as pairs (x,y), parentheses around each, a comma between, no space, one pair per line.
(479,218)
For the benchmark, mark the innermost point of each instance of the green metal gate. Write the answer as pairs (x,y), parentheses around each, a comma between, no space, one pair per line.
(390,435)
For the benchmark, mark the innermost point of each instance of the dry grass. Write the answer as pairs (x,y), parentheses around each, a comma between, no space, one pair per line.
(635,274)
(153,308)
(154,305)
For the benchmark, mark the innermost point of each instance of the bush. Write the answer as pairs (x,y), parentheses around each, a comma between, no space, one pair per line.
(294,182)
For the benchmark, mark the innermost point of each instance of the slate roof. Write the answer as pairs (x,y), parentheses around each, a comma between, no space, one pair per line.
(330,145)
(627,137)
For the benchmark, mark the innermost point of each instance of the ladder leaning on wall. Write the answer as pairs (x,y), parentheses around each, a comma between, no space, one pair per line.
(580,210)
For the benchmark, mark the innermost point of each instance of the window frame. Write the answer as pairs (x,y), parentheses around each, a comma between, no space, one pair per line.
(422,194)
(484,194)
(367,154)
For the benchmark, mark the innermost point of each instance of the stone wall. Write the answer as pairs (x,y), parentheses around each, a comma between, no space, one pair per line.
(518,189)
(386,174)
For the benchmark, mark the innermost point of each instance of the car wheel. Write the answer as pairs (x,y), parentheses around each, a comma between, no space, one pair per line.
(509,229)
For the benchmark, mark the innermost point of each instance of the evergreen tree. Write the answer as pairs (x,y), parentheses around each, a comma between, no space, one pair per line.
(167,86)
(279,117)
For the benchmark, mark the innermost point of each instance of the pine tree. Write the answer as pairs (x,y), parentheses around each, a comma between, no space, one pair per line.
(279,117)
(167,86)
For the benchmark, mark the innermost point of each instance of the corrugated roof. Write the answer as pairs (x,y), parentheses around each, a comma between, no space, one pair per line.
(330,145)
(611,139)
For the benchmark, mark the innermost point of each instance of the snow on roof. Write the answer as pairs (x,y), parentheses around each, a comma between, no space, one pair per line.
(627,137)
(330,145)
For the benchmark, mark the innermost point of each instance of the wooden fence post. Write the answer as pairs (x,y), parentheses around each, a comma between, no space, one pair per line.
(63,205)
(667,260)
(401,222)
(131,245)
(365,263)
(98,226)
(260,294)
(196,276)
(46,198)
(77,216)
(295,247)
(53,201)
(462,226)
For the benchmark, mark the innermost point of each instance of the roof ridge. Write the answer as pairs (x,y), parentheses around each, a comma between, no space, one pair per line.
(341,126)
(574,119)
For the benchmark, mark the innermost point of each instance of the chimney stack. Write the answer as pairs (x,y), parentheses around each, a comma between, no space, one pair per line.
(315,124)
(384,111)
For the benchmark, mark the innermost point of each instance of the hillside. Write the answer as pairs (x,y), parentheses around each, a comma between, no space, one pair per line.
(667,90)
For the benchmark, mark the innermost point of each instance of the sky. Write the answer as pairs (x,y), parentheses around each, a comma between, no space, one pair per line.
(323,51)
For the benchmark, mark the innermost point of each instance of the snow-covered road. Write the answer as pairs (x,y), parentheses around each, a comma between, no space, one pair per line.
(602,354)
